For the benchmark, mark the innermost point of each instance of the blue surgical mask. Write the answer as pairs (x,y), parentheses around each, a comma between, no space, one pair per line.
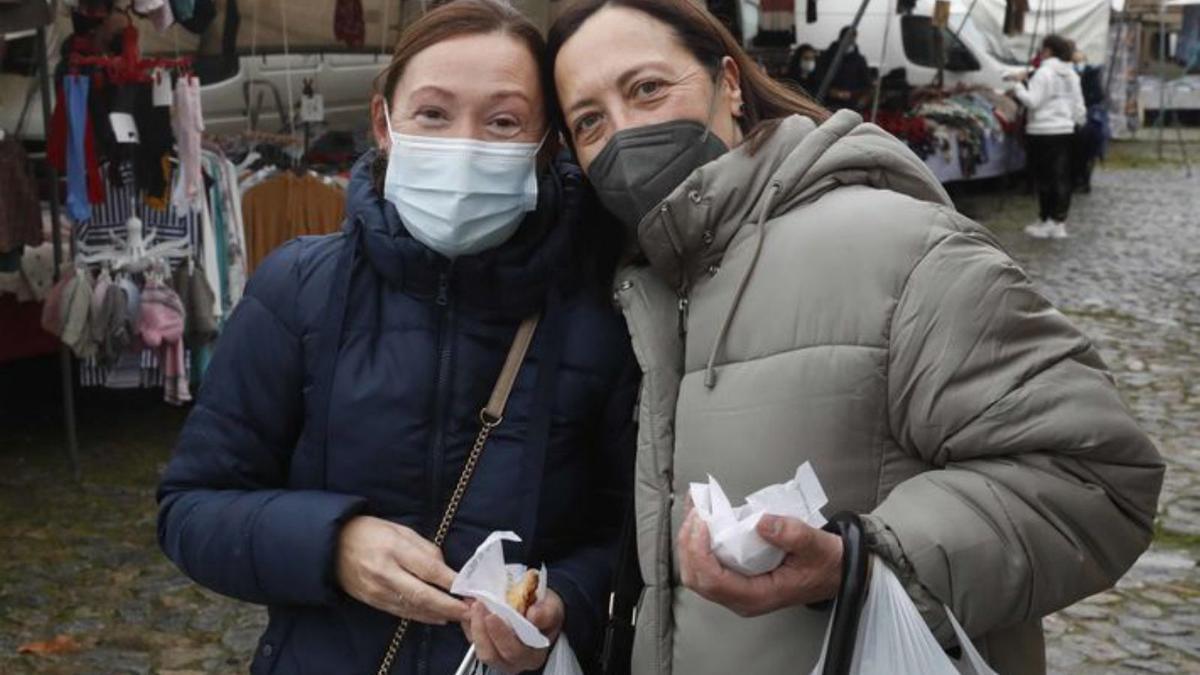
(1080,67)
(460,196)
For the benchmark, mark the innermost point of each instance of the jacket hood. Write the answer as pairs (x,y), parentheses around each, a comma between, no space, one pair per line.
(796,163)
(1058,66)
(513,278)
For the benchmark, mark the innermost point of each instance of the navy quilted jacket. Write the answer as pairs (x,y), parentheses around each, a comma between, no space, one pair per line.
(349,381)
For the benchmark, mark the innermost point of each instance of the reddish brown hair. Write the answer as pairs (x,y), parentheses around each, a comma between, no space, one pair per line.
(767,100)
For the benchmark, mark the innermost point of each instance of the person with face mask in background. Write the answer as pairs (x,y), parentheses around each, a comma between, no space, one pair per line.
(799,288)
(802,67)
(335,467)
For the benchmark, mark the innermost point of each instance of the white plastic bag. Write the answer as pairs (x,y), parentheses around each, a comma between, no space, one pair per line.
(893,638)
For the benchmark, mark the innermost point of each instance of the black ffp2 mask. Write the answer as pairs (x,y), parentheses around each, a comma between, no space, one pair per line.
(640,167)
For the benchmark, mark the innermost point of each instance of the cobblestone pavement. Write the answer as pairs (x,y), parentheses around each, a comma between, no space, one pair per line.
(82,562)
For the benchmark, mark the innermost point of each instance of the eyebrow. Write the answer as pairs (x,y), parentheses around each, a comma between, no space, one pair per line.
(511,93)
(622,80)
(435,90)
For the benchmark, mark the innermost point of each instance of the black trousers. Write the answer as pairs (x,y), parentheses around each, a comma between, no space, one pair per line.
(1050,164)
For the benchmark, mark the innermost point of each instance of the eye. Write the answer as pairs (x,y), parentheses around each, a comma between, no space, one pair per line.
(585,123)
(505,124)
(432,115)
(647,88)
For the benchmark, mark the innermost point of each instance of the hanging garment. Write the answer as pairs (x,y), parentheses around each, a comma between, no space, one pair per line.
(285,207)
(56,147)
(110,219)
(77,315)
(161,325)
(810,12)
(52,309)
(1014,16)
(777,16)
(188,125)
(78,206)
(20,210)
(348,24)
(203,13)
(235,232)
(37,269)
(183,9)
(209,243)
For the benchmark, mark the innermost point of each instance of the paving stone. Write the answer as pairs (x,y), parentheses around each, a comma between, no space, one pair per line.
(1150,666)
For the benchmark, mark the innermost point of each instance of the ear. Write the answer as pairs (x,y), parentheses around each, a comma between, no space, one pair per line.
(731,81)
(379,125)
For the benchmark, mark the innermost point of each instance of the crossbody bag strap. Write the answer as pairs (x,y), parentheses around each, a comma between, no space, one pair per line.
(490,417)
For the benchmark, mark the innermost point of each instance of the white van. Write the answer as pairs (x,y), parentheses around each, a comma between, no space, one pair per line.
(971,57)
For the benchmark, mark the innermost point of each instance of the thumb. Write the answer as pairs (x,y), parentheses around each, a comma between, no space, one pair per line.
(789,534)
(546,614)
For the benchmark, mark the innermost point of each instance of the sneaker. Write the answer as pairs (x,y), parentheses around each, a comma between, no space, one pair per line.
(1040,230)
(1058,230)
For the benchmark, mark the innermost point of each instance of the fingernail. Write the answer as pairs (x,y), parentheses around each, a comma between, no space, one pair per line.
(774,524)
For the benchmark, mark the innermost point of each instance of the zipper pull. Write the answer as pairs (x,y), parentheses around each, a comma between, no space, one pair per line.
(683,313)
(443,293)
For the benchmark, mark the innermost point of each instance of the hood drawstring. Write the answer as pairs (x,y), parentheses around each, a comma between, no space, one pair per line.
(710,371)
(333,323)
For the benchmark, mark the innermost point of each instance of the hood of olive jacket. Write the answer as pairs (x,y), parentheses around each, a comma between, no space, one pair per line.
(795,163)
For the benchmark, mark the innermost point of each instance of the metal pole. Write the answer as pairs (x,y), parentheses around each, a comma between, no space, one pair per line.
(843,45)
(1162,75)
(64,356)
(887,30)
(966,17)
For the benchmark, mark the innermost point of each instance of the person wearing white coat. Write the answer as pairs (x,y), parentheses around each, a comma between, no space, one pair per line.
(1054,99)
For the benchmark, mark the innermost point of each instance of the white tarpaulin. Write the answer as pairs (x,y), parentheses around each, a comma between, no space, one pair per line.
(1084,21)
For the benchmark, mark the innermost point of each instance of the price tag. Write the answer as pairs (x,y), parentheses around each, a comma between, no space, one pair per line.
(124,128)
(312,108)
(162,89)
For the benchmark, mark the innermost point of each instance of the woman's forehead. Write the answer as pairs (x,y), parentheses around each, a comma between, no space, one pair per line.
(610,44)
(475,65)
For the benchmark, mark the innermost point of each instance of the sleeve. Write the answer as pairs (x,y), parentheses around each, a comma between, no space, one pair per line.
(1033,94)
(583,578)
(225,515)
(1042,489)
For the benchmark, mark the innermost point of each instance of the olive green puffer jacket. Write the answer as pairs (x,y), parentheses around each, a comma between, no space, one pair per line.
(821,300)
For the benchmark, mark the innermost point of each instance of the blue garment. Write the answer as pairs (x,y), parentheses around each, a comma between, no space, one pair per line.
(183,9)
(349,381)
(75,88)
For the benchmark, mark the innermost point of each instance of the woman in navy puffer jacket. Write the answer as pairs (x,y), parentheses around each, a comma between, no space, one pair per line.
(343,400)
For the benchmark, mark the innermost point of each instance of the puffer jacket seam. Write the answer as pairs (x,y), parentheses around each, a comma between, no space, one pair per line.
(251,525)
(794,350)
(1017,386)
(1025,551)
(891,324)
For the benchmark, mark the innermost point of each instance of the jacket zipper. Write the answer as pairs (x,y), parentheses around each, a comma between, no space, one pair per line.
(684,304)
(438,442)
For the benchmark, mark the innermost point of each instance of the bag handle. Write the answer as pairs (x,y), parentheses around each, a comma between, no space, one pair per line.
(490,417)
(847,609)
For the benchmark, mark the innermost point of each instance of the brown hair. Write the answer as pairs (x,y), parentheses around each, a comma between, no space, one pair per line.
(456,19)
(1062,48)
(766,100)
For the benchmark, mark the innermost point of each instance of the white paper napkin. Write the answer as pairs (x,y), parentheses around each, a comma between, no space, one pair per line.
(485,577)
(734,540)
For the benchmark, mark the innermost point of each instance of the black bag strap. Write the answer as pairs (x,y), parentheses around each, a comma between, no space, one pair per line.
(847,609)
(617,651)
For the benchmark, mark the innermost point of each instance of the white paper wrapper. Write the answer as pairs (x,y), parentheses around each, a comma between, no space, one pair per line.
(734,540)
(485,577)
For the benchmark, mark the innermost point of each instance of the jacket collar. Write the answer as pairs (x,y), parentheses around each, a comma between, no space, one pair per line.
(512,279)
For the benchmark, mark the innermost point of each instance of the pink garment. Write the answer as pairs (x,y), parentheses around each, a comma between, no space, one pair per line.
(188,123)
(52,315)
(161,323)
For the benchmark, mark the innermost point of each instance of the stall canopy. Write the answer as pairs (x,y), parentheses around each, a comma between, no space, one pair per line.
(309,26)
(1084,21)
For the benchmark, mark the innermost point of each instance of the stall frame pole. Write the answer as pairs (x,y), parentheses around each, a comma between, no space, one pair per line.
(68,391)
(847,40)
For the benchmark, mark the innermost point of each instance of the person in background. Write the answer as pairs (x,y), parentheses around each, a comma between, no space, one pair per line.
(802,66)
(343,402)
(801,289)
(1054,99)
(1092,137)
(850,83)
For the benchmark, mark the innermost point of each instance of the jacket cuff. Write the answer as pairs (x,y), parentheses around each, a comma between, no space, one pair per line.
(883,542)
(582,621)
(294,545)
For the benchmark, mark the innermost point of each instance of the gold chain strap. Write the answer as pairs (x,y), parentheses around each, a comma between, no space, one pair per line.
(439,538)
